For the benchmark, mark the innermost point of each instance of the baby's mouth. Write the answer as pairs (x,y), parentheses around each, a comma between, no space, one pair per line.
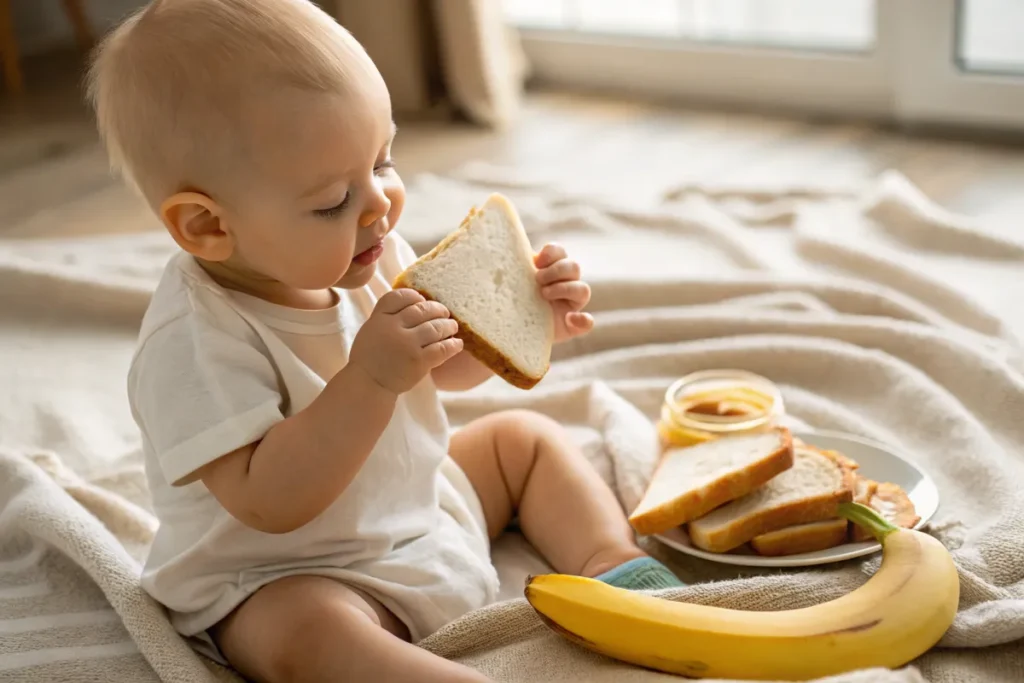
(365,258)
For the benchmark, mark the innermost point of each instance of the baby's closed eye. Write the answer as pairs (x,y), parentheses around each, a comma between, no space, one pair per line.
(335,210)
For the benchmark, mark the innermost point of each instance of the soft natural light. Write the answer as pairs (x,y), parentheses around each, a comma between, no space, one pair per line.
(835,25)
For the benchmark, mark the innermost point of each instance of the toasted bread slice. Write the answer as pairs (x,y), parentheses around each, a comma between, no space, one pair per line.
(690,482)
(810,491)
(484,274)
(891,502)
(802,538)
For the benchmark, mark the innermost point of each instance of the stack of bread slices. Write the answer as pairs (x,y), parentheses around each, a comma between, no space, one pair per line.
(765,492)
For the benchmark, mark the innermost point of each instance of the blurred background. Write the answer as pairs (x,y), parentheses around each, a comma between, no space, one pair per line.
(605,95)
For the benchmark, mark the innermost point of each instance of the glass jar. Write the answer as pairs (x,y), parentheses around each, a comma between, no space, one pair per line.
(713,403)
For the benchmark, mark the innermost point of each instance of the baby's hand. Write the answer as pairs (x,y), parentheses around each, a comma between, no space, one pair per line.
(559,278)
(405,337)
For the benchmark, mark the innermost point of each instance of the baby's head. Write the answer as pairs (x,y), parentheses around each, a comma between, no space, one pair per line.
(258,130)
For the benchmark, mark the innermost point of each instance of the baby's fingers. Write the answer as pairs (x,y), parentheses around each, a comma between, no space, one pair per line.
(579,323)
(441,352)
(397,300)
(549,254)
(421,312)
(434,331)
(559,271)
(576,294)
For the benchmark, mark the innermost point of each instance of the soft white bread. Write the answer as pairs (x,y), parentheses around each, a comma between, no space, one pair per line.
(808,538)
(690,482)
(484,274)
(802,538)
(891,502)
(810,491)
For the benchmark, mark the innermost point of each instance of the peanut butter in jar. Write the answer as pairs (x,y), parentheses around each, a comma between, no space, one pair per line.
(710,404)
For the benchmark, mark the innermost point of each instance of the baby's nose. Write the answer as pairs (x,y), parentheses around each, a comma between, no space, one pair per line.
(377,206)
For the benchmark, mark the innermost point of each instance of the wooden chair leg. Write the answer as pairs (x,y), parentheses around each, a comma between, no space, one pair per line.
(80,23)
(9,49)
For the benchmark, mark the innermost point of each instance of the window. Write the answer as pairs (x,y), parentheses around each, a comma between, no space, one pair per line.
(836,25)
(991,36)
(943,61)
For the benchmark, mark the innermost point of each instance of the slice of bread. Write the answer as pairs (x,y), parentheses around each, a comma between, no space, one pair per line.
(846,462)
(807,538)
(802,538)
(810,491)
(891,502)
(690,482)
(484,274)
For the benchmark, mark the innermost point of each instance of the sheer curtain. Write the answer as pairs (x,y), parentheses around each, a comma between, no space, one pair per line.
(441,57)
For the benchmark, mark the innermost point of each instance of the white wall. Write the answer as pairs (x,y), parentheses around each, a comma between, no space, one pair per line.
(42,25)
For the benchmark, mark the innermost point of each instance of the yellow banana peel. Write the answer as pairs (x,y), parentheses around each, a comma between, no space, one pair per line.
(897,615)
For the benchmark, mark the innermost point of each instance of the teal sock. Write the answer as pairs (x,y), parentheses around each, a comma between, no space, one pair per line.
(640,574)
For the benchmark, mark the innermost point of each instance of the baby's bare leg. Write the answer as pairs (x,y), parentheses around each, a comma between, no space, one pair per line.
(313,629)
(520,461)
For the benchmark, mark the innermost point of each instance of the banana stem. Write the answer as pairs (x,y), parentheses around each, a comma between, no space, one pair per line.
(868,518)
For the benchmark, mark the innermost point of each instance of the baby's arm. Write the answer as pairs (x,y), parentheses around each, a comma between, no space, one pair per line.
(307,460)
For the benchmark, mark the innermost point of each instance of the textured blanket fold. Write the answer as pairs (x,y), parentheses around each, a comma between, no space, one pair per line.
(877,312)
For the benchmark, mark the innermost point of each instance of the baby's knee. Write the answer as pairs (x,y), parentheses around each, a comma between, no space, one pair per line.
(289,625)
(308,637)
(527,425)
(526,435)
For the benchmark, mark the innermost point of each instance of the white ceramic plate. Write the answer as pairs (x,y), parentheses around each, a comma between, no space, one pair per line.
(877,461)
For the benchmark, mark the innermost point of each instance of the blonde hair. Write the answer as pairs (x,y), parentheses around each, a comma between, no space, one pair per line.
(171,84)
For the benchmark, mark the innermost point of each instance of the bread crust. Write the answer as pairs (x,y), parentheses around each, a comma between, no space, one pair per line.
(477,346)
(697,503)
(803,511)
(806,538)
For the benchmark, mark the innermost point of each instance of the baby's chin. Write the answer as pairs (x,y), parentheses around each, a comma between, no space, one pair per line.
(357,276)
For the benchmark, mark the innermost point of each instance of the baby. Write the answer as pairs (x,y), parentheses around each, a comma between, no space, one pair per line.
(317,518)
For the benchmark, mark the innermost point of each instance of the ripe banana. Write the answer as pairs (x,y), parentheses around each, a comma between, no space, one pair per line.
(898,614)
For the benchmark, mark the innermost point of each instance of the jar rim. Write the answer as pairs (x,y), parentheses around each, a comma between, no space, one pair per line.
(712,423)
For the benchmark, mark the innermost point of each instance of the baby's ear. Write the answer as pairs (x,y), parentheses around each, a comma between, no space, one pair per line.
(195,222)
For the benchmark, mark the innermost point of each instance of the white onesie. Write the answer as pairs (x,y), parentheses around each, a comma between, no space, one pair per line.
(214,370)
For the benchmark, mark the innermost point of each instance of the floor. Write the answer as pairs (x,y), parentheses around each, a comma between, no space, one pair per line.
(53,171)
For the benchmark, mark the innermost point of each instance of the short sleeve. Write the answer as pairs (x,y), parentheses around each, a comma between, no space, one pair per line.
(200,390)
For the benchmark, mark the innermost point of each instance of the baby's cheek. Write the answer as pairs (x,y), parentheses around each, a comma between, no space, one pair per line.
(331,250)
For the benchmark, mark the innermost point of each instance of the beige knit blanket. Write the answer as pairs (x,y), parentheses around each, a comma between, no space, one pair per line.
(879,313)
